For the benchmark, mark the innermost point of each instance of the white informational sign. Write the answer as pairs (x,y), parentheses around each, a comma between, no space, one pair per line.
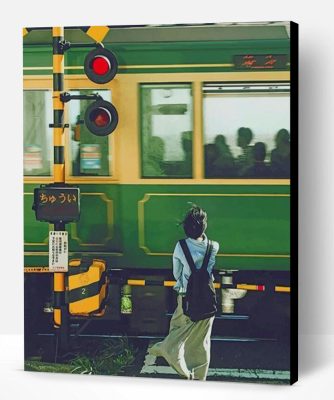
(58,251)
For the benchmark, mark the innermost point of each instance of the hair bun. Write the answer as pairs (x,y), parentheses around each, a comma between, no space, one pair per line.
(195,222)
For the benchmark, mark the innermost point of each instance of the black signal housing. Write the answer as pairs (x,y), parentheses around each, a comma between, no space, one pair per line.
(100,65)
(101,118)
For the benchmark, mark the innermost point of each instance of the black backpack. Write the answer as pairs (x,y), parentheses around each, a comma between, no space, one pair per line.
(200,301)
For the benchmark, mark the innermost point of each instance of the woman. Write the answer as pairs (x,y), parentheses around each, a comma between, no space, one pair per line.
(187,346)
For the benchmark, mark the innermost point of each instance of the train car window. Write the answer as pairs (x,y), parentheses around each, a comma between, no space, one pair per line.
(90,154)
(246,130)
(167,130)
(37,142)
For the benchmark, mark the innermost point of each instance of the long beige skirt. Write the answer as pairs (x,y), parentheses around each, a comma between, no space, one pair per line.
(187,346)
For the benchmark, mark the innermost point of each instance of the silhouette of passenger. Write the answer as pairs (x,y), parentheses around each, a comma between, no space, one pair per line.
(187,143)
(259,169)
(223,165)
(211,155)
(185,167)
(280,156)
(154,155)
(245,160)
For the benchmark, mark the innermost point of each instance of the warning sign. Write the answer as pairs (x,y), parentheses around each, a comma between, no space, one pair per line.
(57,203)
(58,251)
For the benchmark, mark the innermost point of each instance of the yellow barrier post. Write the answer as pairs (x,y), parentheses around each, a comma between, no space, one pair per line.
(60,315)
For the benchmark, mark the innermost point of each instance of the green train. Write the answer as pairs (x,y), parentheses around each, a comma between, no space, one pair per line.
(204,118)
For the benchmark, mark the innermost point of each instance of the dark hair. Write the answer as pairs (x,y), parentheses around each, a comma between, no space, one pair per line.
(259,151)
(245,133)
(283,136)
(195,222)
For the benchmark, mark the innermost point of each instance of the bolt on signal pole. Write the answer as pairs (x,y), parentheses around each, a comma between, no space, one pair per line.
(60,314)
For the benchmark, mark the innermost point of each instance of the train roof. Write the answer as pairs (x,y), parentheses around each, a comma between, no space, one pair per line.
(168,33)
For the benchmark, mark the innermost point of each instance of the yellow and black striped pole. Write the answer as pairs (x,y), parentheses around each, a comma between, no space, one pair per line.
(58,105)
(59,161)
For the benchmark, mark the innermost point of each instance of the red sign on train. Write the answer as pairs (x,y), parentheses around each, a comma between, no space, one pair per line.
(261,61)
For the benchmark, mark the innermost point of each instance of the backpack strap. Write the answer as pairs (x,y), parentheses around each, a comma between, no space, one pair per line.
(187,254)
(207,255)
(189,258)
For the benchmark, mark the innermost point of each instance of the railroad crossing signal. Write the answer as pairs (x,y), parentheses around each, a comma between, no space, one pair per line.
(101,118)
(59,203)
(100,65)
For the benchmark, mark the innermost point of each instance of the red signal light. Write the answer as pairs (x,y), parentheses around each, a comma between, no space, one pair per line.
(100,65)
(101,118)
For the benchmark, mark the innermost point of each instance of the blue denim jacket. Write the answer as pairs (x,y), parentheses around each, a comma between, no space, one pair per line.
(181,269)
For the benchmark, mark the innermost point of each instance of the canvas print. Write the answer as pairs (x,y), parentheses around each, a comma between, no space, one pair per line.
(160,189)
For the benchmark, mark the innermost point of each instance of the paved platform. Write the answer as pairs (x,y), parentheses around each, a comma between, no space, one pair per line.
(157,367)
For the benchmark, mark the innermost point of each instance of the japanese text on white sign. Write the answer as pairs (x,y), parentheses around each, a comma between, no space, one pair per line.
(58,251)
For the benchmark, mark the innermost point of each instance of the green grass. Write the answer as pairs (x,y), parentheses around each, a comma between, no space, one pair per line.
(39,366)
(108,357)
